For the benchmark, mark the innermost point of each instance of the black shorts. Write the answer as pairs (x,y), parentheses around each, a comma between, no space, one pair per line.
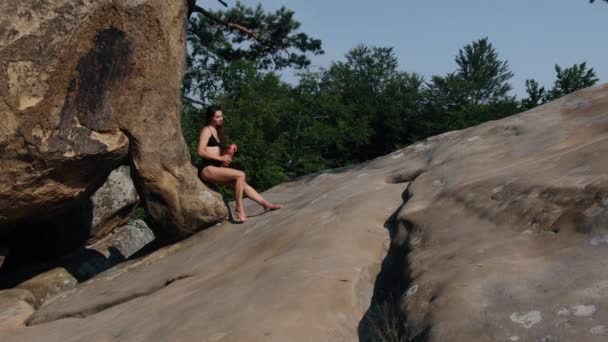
(203,163)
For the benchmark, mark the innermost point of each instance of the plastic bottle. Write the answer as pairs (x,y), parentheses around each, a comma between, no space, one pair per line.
(230,151)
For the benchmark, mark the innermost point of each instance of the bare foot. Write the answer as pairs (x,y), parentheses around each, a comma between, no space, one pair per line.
(269,206)
(240,214)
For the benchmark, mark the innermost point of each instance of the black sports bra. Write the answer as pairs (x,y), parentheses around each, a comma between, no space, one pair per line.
(212,141)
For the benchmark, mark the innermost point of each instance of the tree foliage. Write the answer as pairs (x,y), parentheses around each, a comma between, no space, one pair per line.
(536,95)
(571,79)
(359,108)
(567,80)
(477,91)
(484,76)
(213,47)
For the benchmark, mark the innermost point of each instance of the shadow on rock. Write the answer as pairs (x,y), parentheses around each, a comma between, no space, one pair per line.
(385,319)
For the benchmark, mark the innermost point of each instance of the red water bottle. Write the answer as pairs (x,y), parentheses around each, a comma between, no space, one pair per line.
(230,151)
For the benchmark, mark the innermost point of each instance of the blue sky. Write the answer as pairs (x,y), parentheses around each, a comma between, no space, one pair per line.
(533,35)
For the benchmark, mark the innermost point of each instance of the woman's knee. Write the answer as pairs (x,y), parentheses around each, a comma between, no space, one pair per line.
(240,175)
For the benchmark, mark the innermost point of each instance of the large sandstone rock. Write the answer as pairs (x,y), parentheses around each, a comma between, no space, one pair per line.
(84,85)
(112,203)
(16,306)
(49,283)
(305,272)
(498,233)
(67,272)
(508,224)
(85,222)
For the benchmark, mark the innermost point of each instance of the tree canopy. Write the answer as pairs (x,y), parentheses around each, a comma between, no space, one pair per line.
(567,80)
(270,41)
(360,107)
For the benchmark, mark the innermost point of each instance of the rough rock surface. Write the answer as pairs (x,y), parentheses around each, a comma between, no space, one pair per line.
(502,230)
(125,241)
(508,227)
(113,202)
(305,271)
(84,85)
(49,283)
(15,307)
(68,271)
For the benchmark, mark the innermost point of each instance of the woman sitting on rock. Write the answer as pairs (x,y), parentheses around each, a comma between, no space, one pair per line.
(213,167)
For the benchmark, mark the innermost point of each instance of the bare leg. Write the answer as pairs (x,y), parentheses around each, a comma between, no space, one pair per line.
(254,195)
(238,194)
(235,178)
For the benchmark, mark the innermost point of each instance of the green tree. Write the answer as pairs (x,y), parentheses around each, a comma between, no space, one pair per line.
(377,103)
(254,119)
(216,39)
(571,79)
(228,50)
(567,80)
(485,77)
(476,92)
(536,95)
(307,128)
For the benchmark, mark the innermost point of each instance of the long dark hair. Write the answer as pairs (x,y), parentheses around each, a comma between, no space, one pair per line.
(209,112)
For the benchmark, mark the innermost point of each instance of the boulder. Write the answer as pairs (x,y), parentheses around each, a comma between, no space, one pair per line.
(112,203)
(493,233)
(47,284)
(16,306)
(507,225)
(85,222)
(85,87)
(67,272)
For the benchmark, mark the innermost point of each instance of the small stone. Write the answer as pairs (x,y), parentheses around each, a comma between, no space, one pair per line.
(583,310)
(598,330)
(15,308)
(217,336)
(498,189)
(598,240)
(514,338)
(527,319)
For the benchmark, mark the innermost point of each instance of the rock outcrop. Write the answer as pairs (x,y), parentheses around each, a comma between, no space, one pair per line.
(65,273)
(112,203)
(16,306)
(86,222)
(507,225)
(305,272)
(497,233)
(84,86)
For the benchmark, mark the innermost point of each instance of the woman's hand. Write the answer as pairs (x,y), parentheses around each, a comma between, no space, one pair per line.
(226,159)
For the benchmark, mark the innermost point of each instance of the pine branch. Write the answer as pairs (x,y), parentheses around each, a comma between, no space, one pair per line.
(230,25)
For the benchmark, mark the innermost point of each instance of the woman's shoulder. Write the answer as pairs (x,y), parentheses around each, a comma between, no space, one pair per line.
(210,128)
